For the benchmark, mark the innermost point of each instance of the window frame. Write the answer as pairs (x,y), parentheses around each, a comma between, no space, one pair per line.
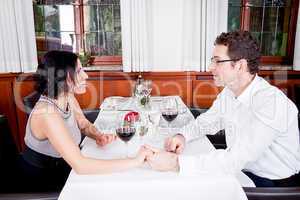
(78,7)
(282,60)
(79,29)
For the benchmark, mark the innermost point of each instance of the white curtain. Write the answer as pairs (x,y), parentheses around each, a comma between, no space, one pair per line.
(170,35)
(296,63)
(17,37)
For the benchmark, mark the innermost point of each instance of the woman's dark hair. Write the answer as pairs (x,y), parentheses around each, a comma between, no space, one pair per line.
(53,71)
(241,45)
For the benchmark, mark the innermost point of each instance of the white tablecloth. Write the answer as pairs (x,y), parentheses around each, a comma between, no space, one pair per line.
(144,183)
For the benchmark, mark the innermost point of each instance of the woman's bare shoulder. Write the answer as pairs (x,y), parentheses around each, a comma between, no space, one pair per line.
(44,109)
(43,116)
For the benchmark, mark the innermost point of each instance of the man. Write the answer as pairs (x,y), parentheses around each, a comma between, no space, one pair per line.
(260,122)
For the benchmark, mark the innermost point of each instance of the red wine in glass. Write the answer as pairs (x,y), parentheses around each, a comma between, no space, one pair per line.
(125,133)
(169,116)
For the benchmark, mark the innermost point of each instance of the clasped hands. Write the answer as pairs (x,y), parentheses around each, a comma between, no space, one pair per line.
(163,160)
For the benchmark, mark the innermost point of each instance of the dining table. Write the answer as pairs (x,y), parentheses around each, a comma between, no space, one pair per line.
(143,182)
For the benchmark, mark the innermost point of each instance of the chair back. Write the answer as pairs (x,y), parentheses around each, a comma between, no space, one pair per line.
(30,101)
(273,193)
(8,148)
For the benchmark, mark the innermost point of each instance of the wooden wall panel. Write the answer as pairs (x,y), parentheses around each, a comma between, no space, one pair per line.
(22,89)
(204,93)
(98,90)
(7,107)
(290,87)
(182,88)
(195,88)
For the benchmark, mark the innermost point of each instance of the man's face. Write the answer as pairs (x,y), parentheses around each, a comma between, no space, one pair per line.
(224,73)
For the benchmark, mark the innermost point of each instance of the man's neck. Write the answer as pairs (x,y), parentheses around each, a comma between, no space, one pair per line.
(242,84)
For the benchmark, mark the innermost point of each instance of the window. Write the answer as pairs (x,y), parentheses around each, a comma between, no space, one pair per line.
(271,22)
(90,26)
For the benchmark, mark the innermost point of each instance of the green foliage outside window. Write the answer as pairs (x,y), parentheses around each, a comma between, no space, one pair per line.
(269,23)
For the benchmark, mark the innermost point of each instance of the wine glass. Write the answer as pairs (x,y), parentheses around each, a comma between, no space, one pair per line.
(169,110)
(142,126)
(125,130)
(142,92)
(147,85)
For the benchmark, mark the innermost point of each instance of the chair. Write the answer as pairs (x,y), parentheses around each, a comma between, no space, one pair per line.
(297,95)
(91,114)
(30,196)
(30,101)
(8,148)
(273,193)
(197,111)
(218,140)
(8,156)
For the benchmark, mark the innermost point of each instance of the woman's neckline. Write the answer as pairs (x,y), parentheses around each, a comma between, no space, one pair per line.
(66,111)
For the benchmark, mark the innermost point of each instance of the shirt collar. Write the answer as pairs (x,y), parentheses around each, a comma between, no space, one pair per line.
(246,95)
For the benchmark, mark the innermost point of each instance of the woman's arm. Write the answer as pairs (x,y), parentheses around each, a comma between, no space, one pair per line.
(87,127)
(51,126)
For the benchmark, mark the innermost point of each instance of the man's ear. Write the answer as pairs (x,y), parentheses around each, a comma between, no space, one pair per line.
(243,64)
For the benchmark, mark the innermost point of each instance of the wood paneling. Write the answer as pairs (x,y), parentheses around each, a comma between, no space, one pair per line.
(182,88)
(98,90)
(195,88)
(204,93)
(7,107)
(21,89)
(288,87)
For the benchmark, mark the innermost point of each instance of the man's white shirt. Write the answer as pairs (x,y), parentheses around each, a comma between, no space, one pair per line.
(262,133)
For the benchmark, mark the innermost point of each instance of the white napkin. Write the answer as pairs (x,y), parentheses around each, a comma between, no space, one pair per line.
(114,103)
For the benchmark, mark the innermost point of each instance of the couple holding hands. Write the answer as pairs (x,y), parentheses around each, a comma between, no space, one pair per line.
(260,122)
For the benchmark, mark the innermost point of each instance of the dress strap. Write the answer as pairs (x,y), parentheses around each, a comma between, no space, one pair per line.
(66,113)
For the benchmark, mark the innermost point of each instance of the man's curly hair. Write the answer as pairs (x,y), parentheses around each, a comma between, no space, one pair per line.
(241,45)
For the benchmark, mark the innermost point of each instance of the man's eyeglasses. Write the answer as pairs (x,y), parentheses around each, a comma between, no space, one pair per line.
(214,61)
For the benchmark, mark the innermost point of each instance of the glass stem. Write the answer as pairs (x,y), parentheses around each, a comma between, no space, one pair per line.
(127,151)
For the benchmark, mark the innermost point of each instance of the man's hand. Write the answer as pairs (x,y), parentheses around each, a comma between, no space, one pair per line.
(104,139)
(175,144)
(162,160)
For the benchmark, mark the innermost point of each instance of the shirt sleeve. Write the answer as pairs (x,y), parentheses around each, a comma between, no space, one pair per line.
(208,123)
(232,160)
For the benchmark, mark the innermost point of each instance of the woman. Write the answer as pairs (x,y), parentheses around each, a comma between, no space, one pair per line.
(55,125)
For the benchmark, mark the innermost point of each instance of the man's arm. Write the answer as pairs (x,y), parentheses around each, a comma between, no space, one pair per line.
(228,161)
(208,123)
(248,147)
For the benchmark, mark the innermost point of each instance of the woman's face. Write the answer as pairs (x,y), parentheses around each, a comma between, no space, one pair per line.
(80,79)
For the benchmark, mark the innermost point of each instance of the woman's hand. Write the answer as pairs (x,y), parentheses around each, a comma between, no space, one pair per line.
(163,160)
(143,154)
(104,139)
